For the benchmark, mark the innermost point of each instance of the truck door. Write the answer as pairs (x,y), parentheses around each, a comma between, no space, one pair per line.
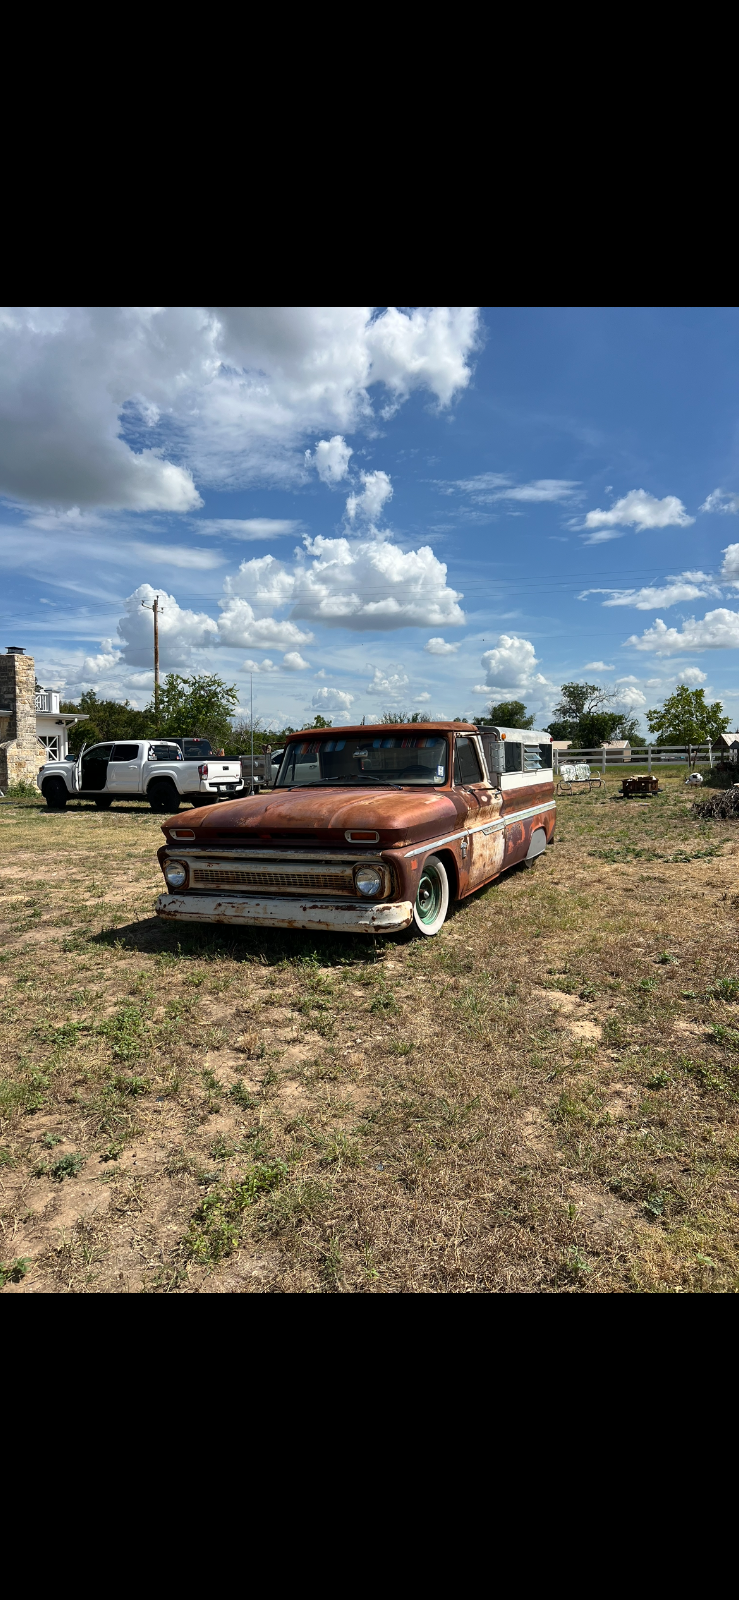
(486,849)
(95,767)
(124,770)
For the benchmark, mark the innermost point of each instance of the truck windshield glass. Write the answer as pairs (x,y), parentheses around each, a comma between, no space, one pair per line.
(394,758)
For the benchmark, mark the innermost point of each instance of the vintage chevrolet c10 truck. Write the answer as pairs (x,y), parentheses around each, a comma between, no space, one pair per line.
(371,828)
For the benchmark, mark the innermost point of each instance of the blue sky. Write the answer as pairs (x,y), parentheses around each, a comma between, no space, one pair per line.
(367,508)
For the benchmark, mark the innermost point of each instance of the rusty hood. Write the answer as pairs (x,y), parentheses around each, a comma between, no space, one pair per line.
(326,816)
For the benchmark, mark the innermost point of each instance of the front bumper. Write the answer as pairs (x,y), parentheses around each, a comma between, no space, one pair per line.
(276,911)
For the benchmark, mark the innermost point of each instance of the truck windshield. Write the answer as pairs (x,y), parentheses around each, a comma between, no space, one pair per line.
(395,758)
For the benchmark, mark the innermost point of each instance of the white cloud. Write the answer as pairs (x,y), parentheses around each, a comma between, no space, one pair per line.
(294,662)
(718,630)
(632,698)
(421,699)
(730,564)
(691,675)
(600,666)
(181,632)
(260,666)
(356,584)
(638,509)
(604,535)
(688,586)
(510,664)
(377,489)
(332,701)
(488,487)
(331,459)
(389,685)
(93,400)
(721,500)
(239,626)
(246,529)
(439,647)
(95,666)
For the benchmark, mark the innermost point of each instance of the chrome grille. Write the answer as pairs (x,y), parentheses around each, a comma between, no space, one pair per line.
(262,878)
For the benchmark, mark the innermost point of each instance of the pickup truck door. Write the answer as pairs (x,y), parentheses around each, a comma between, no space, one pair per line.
(486,849)
(124,770)
(95,768)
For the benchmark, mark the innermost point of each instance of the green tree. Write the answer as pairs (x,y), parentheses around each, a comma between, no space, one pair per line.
(506,714)
(200,706)
(391,718)
(586,715)
(686,718)
(107,719)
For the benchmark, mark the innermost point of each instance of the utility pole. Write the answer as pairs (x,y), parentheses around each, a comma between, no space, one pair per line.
(155,609)
(251,720)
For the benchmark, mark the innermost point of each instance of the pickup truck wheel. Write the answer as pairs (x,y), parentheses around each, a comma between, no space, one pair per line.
(103,802)
(55,794)
(432,899)
(163,796)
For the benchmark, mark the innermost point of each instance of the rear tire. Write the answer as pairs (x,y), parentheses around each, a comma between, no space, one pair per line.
(103,802)
(163,797)
(55,794)
(432,899)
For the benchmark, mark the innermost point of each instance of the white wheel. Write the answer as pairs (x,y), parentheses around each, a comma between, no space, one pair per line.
(432,899)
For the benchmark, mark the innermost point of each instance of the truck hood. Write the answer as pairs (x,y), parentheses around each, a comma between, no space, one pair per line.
(325,816)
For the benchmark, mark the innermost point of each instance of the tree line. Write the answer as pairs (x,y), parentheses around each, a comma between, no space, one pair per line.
(204,706)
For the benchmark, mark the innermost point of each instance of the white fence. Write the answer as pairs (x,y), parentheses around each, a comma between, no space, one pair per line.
(637,755)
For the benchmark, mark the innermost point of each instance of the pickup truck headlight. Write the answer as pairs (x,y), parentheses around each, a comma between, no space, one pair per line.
(368,880)
(175,873)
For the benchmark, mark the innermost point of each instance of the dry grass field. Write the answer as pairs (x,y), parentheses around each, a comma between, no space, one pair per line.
(543,1099)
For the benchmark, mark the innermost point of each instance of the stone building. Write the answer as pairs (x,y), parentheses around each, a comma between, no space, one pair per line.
(32,728)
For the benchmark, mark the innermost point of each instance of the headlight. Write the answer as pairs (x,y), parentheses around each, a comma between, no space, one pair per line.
(368,880)
(175,873)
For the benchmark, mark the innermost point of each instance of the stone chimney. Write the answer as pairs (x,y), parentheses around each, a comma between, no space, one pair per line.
(20,757)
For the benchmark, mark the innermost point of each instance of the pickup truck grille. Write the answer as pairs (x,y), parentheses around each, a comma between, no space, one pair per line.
(339,881)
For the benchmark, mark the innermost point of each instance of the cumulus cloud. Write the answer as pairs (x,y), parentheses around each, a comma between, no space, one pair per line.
(511,663)
(718,630)
(332,701)
(421,699)
(182,633)
(721,500)
(600,666)
(632,698)
(343,582)
(376,490)
(294,662)
(238,625)
(95,666)
(688,586)
(126,407)
(730,564)
(638,509)
(439,647)
(331,459)
(388,684)
(260,666)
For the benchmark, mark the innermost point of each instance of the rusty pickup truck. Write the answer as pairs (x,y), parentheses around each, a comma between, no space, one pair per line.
(368,829)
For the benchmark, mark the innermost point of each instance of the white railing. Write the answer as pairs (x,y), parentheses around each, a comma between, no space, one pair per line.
(46,700)
(637,755)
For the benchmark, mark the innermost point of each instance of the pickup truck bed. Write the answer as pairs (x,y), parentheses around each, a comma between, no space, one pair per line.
(152,769)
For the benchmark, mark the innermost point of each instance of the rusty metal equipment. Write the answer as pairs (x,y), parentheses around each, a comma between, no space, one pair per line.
(644,784)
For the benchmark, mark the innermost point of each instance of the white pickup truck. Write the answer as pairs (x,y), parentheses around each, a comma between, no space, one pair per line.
(154,768)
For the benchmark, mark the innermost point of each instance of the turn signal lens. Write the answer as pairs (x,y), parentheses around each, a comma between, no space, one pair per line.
(368,880)
(175,873)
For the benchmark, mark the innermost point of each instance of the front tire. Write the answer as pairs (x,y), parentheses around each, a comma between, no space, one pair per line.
(432,899)
(163,797)
(55,794)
